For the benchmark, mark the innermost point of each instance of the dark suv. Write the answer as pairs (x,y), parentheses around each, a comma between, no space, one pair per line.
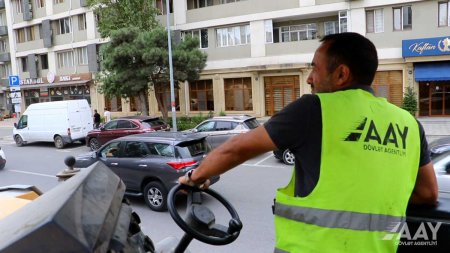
(124,126)
(150,164)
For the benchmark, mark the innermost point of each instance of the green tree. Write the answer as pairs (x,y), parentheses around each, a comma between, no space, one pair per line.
(134,60)
(116,14)
(410,101)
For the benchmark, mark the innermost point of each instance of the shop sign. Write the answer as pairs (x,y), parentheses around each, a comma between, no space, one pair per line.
(31,81)
(15,100)
(426,47)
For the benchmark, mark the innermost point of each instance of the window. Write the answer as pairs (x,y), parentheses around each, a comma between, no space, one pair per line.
(40,3)
(135,149)
(24,64)
(331,27)
(195,4)
(268,31)
(135,104)
(82,22)
(201,95)
(114,104)
(229,1)
(5,70)
(58,1)
(444,13)
(20,33)
(375,21)
(18,6)
(161,6)
(343,21)
(201,34)
(238,94)
(64,26)
(65,59)
(82,55)
(402,18)
(29,32)
(298,32)
(3,19)
(44,61)
(233,36)
(3,46)
(165,93)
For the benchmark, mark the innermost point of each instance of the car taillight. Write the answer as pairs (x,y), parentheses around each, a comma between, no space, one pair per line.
(179,165)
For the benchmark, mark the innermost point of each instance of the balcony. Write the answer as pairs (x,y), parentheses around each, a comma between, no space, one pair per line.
(4,57)
(3,30)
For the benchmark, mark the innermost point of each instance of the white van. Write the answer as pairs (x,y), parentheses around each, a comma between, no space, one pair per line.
(60,122)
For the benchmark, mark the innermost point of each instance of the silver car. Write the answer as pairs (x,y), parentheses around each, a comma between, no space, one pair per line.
(442,168)
(221,128)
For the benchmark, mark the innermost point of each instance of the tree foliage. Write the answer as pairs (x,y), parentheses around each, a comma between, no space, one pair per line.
(410,101)
(116,14)
(134,61)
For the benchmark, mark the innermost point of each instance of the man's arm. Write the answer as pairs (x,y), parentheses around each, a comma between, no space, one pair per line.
(233,152)
(426,188)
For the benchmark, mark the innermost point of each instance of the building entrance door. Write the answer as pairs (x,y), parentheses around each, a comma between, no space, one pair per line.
(434,98)
(279,92)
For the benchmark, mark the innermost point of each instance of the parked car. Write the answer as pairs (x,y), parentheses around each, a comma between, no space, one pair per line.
(60,122)
(2,159)
(124,126)
(285,155)
(441,164)
(439,146)
(150,164)
(219,129)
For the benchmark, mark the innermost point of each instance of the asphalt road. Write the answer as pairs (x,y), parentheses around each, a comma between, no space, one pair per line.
(250,188)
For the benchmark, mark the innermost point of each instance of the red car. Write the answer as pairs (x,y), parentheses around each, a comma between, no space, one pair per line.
(124,126)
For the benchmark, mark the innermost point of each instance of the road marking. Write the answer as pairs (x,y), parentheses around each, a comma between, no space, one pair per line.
(269,156)
(33,173)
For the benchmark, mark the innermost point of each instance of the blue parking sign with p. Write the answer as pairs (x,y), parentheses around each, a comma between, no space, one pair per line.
(14,81)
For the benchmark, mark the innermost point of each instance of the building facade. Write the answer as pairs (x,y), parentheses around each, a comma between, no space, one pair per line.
(259,51)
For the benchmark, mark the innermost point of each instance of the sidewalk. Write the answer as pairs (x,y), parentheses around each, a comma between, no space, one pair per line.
(8,123)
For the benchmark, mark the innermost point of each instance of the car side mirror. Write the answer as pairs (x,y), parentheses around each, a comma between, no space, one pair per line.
(94,154)
(194,130)
(15,125)
(102,128)
(447,168)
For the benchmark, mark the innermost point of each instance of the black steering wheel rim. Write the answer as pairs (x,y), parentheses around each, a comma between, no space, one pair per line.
(194,233)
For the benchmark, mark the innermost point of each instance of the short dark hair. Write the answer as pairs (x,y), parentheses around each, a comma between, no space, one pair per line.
(355,51)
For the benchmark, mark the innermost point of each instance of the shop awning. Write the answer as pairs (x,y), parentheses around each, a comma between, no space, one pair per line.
(432,71)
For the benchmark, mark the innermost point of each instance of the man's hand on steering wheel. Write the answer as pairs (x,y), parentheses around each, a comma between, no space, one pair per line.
(187,180)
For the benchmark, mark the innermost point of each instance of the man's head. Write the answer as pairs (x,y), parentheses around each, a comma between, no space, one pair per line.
(106,109)
(343,60)
(95,110)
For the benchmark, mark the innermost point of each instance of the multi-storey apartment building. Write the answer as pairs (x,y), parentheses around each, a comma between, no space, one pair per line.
(258,51)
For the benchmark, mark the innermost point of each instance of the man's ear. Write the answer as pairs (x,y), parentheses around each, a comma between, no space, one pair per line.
(343,76)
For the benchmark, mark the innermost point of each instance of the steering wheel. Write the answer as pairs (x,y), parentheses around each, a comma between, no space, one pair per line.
(200,220)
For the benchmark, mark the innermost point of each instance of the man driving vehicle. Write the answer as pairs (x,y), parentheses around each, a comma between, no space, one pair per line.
(359,160)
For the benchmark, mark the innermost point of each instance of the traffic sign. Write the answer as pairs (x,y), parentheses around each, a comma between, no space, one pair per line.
(14,81)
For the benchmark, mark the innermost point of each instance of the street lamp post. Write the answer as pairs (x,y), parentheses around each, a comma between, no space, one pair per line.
(172,86)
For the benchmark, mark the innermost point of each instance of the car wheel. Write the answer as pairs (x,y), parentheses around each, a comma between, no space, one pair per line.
(59,142)
(156,196)
(93,144)
(288,157)
(19,140)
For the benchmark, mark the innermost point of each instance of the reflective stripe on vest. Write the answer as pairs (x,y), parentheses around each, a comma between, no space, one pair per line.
(338,219)
(279,251)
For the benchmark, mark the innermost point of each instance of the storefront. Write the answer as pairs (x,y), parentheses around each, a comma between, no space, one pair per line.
(55,88)
(431,61)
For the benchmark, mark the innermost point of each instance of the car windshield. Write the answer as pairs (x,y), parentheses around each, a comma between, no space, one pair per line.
(251,123)
(192,148)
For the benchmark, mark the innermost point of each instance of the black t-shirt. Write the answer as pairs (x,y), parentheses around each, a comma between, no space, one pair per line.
(298,127)
(96,117)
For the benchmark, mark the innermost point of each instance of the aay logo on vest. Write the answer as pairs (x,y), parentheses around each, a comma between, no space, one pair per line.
(391,140)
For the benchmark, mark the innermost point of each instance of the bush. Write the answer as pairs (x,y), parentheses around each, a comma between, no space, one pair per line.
(410,101)
(185,122)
